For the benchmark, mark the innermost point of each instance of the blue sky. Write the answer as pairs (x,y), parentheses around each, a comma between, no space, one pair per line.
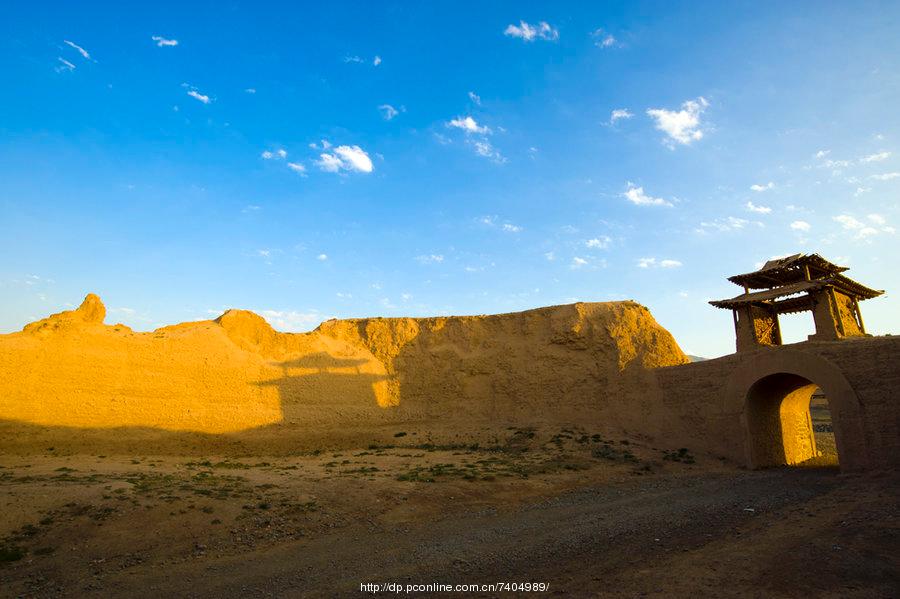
(387,159)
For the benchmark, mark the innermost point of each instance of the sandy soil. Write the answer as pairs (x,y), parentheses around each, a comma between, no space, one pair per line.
(588,515)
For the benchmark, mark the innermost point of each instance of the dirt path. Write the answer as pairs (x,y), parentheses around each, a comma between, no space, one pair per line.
(778,533)
(588,515)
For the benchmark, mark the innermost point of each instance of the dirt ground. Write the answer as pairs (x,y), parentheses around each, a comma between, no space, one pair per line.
(587,515)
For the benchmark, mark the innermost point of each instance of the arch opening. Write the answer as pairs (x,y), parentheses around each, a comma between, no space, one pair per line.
(789,423)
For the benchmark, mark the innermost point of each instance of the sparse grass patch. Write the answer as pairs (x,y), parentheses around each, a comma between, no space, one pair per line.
(680,455)
(10,553)
(608,452)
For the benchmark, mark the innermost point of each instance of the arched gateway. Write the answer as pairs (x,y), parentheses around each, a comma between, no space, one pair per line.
(771,391)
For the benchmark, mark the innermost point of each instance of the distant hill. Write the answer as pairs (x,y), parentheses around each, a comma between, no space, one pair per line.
(697,358)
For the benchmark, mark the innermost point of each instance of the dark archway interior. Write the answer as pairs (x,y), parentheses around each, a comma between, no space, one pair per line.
(781,422)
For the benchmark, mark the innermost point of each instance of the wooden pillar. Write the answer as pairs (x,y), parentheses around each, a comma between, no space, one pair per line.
(862,326)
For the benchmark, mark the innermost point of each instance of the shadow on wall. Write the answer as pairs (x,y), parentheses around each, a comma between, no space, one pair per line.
(318,386)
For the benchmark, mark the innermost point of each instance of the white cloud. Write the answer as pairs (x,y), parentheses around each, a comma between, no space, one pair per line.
(163,42)
(376,61)
(636,196)
(291,321)
(250,90)
(475,98)
(801,225)
(430,259)
(764,187)
(861,190)
(885,176)
(491,221)
(469,125)
(729,223)
(279,154)
(485,149)
(654,263)
(80,50)
(388,112)
(598,243)
(329,163)
(65,65)
(296,167)
(550,256)
(848,222)
(322,257)
(354,59)
(758,209)
(197,95)
(619,114)
(862,230)
(876,157)
(682,126)
(578,262)
(529,33)
(350,158)
(602,39)
(822,153)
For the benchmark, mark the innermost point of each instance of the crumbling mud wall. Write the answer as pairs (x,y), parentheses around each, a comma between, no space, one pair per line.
(235,384)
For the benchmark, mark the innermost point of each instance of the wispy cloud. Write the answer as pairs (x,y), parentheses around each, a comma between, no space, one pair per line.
(250,90)
(485,149)
(862,230)
(430,259)
(760,187)
(598,243)
(353,59)
(885,176)
(64,65)
(801,225)
(724,225)
(194,93)
(654,263)
(638,197)
(681,126)
(388,112)
(603,39)
(529,32)
(297,168)
(469,125)
(348,158)
(475,98)
(163,42)
(578,262)
(491,222)
(619,114)
(758,209)
(322,257)
(279,154)
(876,157)
(84,53)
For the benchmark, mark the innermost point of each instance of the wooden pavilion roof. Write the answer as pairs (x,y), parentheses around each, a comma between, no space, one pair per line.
(783,271)
(793,278)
